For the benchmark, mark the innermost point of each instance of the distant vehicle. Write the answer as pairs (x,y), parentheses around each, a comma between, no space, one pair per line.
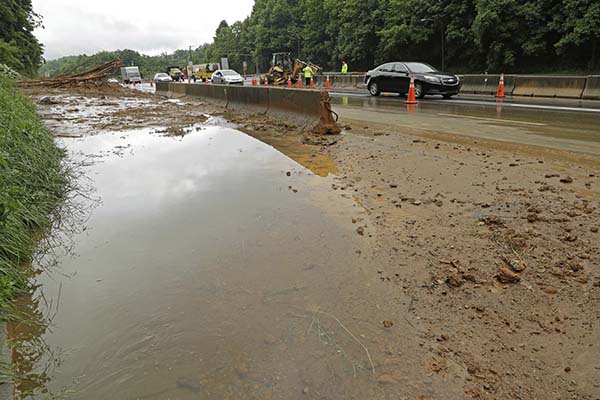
(162,77)
(175,73)
(112,80)
(395,77)
(131,75)
(227,77)
(204,71)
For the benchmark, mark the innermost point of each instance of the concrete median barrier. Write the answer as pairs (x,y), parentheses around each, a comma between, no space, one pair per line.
(486,84)
(549,86)
(162,88)
(248,99)
(216,94)
(177,90)
(592,88)
(299,106)
(308,109)
(347,81)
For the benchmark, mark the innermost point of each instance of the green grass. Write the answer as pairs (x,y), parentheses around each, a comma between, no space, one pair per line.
(32,186)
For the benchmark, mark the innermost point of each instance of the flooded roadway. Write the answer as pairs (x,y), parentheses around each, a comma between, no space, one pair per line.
(206,272)
(562,125)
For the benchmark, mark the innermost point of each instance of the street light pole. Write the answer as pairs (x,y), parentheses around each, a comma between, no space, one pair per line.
(443,30)
(442,38)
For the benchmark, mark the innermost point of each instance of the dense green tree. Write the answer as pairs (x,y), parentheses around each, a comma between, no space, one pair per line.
(579,25)
(19,48)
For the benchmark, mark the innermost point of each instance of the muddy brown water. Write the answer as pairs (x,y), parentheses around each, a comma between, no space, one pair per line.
(206,272)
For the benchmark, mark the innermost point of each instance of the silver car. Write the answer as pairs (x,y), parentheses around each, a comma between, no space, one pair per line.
(162,77)
(227,77)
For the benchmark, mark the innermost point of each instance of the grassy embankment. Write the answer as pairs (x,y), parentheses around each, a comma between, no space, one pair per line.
(32,186)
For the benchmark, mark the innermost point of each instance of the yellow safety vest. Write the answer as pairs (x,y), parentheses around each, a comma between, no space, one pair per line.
(344,68)
(307,72)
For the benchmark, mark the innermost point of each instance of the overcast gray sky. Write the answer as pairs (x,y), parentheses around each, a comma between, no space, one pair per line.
(148,26)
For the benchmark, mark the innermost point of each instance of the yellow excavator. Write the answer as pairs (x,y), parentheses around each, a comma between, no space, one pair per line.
(283,69)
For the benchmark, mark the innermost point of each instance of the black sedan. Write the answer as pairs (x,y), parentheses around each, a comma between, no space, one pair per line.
(395,77)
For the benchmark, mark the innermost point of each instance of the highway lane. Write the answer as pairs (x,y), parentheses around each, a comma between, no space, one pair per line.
(571,125)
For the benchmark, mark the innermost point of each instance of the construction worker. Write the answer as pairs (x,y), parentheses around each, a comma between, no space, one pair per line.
(307,75)
(344,67)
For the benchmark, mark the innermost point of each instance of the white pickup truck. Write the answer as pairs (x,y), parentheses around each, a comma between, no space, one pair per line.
(131,75)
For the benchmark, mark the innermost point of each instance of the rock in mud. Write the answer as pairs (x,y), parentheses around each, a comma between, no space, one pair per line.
(566,179)
(387,323)
(386,379)
(454,280)
(516,265)
(48,100)
(360,230)
(492,220)
(505,275)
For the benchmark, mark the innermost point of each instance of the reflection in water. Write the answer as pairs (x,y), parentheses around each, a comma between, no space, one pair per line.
(208,271)
(33,360)
(28,348)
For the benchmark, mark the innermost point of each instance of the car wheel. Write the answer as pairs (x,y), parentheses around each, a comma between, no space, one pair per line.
(419,91)
(448,96)
(374,89)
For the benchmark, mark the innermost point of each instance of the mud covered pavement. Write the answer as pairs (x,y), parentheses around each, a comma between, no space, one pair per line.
(381,264)
(492,249)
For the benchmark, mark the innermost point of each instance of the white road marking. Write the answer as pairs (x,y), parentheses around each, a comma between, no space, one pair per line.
(510,121)
(520,105)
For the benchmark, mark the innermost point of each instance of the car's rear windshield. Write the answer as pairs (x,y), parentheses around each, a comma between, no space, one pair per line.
(420,67)
(228,72)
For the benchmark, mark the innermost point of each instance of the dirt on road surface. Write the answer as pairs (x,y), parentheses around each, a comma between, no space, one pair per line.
(483,255)
(496,246)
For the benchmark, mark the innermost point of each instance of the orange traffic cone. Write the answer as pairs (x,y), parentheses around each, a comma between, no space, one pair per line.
(254,81)
(411,92)
(327,84)
(289,83)
(500,92)
(300,83)
(312,83)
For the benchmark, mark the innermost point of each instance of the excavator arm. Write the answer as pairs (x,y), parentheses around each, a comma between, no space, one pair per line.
(299,66)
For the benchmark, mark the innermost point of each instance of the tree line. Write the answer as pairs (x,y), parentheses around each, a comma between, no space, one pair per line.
(19,48)
(519,36)
(475,35)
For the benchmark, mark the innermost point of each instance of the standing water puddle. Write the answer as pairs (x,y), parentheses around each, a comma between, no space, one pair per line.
(208,272)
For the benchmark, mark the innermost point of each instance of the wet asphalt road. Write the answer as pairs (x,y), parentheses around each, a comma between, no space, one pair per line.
(562,124)
(572,125)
